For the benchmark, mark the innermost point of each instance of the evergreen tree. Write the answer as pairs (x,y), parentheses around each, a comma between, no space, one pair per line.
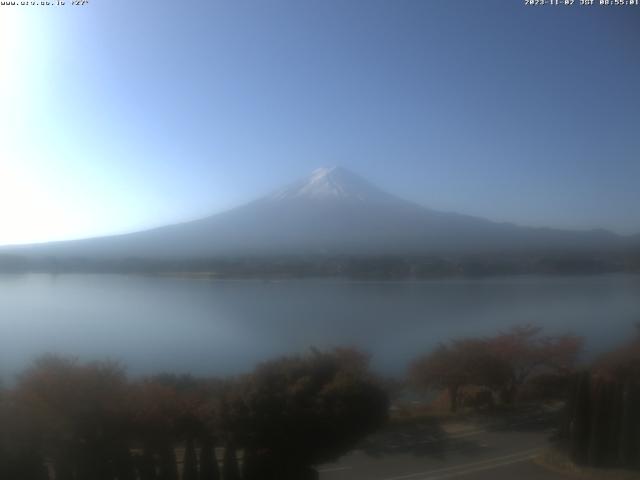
(209,469)
(190,462)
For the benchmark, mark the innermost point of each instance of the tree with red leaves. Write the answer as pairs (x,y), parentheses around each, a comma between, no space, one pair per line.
(81,413)
(524,351)
(623,362)
(457,364)
(503,363)
(300,411)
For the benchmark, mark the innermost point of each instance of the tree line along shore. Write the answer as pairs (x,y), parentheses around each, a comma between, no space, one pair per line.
(362,266)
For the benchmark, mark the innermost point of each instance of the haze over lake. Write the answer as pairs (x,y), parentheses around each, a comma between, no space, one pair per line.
(153,324)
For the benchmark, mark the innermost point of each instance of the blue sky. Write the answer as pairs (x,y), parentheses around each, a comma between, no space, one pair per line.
(120,115)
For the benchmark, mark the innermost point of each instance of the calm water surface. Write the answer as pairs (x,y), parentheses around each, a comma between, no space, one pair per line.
(223,327)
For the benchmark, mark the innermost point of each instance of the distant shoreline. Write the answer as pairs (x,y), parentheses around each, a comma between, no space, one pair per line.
(212,276)
(359,267)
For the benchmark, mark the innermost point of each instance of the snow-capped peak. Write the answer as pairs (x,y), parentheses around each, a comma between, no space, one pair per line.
(333,183)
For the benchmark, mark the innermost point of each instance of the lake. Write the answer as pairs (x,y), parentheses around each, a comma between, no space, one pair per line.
(154,324)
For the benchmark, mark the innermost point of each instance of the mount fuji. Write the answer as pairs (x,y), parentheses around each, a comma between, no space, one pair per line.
(332,211)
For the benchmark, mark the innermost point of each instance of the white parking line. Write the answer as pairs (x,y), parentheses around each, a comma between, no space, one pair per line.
(333,469)
(453,436)
(481,468)
(471,467)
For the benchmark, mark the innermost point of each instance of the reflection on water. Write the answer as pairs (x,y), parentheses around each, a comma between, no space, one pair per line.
(223,327)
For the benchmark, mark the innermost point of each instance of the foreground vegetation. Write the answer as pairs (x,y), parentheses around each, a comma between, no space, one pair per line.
(600,426)
(67,420)
(498,367)
(74,421)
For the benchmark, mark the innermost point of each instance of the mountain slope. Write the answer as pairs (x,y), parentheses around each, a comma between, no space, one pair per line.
(333,211)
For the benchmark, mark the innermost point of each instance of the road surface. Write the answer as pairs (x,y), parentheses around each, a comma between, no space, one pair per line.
(432,452)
